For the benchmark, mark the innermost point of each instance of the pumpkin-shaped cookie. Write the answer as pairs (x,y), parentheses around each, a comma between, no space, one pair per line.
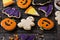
(8,24)
(23,3)
(45,23)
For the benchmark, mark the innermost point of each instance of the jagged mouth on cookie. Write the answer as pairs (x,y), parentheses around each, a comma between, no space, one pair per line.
(7,24)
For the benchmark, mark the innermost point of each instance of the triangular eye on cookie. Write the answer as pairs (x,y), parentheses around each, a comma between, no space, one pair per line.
(31,11)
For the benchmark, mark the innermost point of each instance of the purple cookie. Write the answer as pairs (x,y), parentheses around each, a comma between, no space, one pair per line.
(12,12)
(27,37)
(46,9)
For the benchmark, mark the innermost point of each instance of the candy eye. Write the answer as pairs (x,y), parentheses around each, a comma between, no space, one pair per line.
(47,25)
(11,22)
(8,20)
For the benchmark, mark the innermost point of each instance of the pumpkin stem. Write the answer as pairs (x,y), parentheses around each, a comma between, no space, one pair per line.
(13,19)
(41,28)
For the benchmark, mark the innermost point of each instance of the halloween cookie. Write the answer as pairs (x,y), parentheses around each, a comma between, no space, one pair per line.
(40,2)
(47,9)
(27,37)
(7,2)
(8,24)
(12,12)
(31,11)
(57,4)
(23,3)
(26,23)
(57,18)
(45,23)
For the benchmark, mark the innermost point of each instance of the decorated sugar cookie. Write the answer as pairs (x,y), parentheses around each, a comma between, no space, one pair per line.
(31,11)
(47,9)
(7,2)
(45,23)
(57,4)
(12,12)
(23,3)
(40,2)
(26,23)
(57,18)
(27,37)
(8,24)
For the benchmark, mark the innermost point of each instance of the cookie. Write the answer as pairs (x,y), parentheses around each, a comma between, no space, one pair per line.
(26,23)
(57,18)
(45,23)
(57,4)
(47,9)
(27,37)
(31,11)
(7,2)
(40,2)
(23,3)
(12,12)
(8,24)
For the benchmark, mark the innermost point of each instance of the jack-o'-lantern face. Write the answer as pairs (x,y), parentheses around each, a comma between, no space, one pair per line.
(8,24)
(23,3)
(45,23)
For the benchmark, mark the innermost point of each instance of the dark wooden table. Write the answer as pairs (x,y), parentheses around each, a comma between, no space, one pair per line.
(53,34)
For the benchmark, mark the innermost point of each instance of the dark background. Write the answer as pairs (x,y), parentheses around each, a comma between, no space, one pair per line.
(53,34)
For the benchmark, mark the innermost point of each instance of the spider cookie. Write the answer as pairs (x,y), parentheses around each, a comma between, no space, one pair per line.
(57,18)
(26,23)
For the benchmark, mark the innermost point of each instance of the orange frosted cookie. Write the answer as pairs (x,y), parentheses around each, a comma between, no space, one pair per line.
(45,23)
(8,24)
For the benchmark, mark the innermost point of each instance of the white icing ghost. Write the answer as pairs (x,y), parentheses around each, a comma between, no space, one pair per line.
(26,23)
(57,13)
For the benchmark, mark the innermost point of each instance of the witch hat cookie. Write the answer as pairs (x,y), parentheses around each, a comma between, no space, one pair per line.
(40,2)
(7,2)
(31,11)
(46,9)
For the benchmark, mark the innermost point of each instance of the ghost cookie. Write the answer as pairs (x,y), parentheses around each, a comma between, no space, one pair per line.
(26,23)
(57,4)
(57,13)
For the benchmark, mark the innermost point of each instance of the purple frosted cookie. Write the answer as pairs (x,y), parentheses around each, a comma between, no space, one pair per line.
(46,9)
(40,2)
(12,12)
(27,37)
